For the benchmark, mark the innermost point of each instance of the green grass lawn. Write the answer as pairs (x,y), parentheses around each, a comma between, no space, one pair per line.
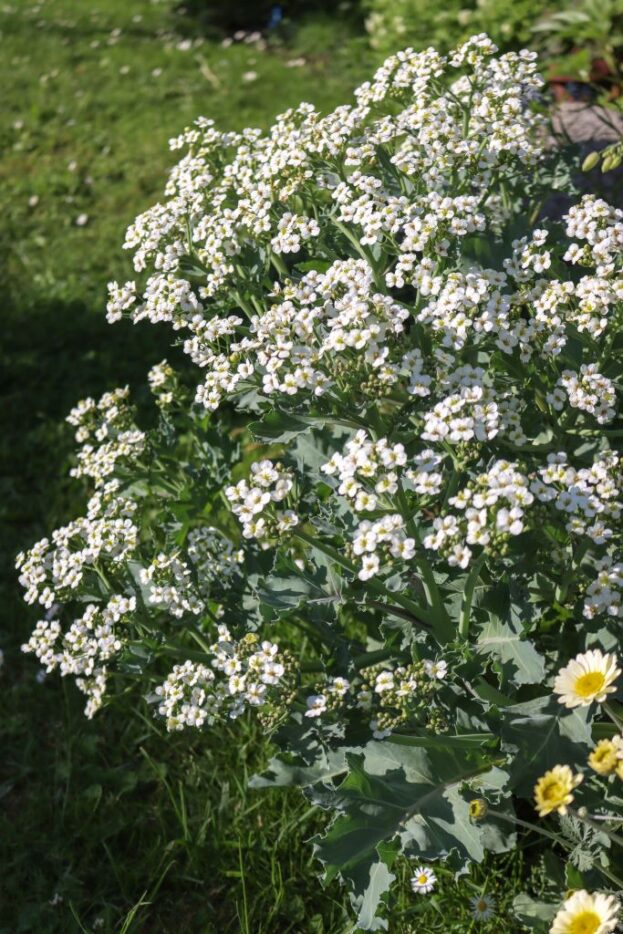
(112,825)
(112,820)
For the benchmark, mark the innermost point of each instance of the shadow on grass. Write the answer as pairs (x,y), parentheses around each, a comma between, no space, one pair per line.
(52,355)
(212,16)
(97,816)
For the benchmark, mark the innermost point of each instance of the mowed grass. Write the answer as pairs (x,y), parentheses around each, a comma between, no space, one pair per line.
(113,825)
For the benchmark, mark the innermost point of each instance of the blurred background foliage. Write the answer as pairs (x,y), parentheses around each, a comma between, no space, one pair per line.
(111,825)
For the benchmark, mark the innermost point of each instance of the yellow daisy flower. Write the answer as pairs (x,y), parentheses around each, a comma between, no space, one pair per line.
(604,758)
(478,809)
(587,678)
(553,791)
(584,913)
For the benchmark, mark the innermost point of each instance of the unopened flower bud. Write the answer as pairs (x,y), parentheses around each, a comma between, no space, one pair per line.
(478,808)
(590,162)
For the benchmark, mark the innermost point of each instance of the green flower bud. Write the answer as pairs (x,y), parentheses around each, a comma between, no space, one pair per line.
(590,162)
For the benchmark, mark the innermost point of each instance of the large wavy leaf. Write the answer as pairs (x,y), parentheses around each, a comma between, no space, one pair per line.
(415,795)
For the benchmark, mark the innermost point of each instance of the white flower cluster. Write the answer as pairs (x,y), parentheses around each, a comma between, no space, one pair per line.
(291,229)
(187,697)
(481,304)
(242,194)
(51,570)
(473,411)
(254,504)
(162,383)
(589,496)
(605,593)
(108,422)
(376,541)
(468,414)
(365,463)
(121,298)
(369,472)
(335,690)
(600,226)
(292,345)
(491,508)
(213,555)
(378,688)
(103,419)
(169,586)
(587,390)
(85,648)
(193,694)
(182,586)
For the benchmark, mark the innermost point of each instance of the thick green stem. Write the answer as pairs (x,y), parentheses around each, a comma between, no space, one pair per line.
(563,587)
(468,596)
(417,612)
(552,836)
(396,611)
(615,837)
(442,624)
(279,265)
(183,653)
(373,658)
(616,720)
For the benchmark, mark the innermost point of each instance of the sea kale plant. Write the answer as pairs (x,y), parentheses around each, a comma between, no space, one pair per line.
(380,511)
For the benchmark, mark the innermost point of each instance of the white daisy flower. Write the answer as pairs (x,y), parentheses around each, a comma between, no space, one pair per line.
(483,907)
(423,880)
(587,678)
(591,914)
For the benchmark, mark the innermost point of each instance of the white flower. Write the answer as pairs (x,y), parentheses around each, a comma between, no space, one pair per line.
(255,694)
(423,880)
(316,705)
(436,669)
(339,686)
(369,567)
(588,677)
(483,907)
(378,732)
(384,682)
(583,913)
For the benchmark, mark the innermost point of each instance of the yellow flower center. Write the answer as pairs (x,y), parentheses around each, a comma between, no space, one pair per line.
(477,808)
(482,905)
(603,759)
(422,880)
(585,923)
(590,684)
(554,790)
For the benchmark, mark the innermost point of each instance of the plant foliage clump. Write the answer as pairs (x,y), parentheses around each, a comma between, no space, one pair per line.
(382,508)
